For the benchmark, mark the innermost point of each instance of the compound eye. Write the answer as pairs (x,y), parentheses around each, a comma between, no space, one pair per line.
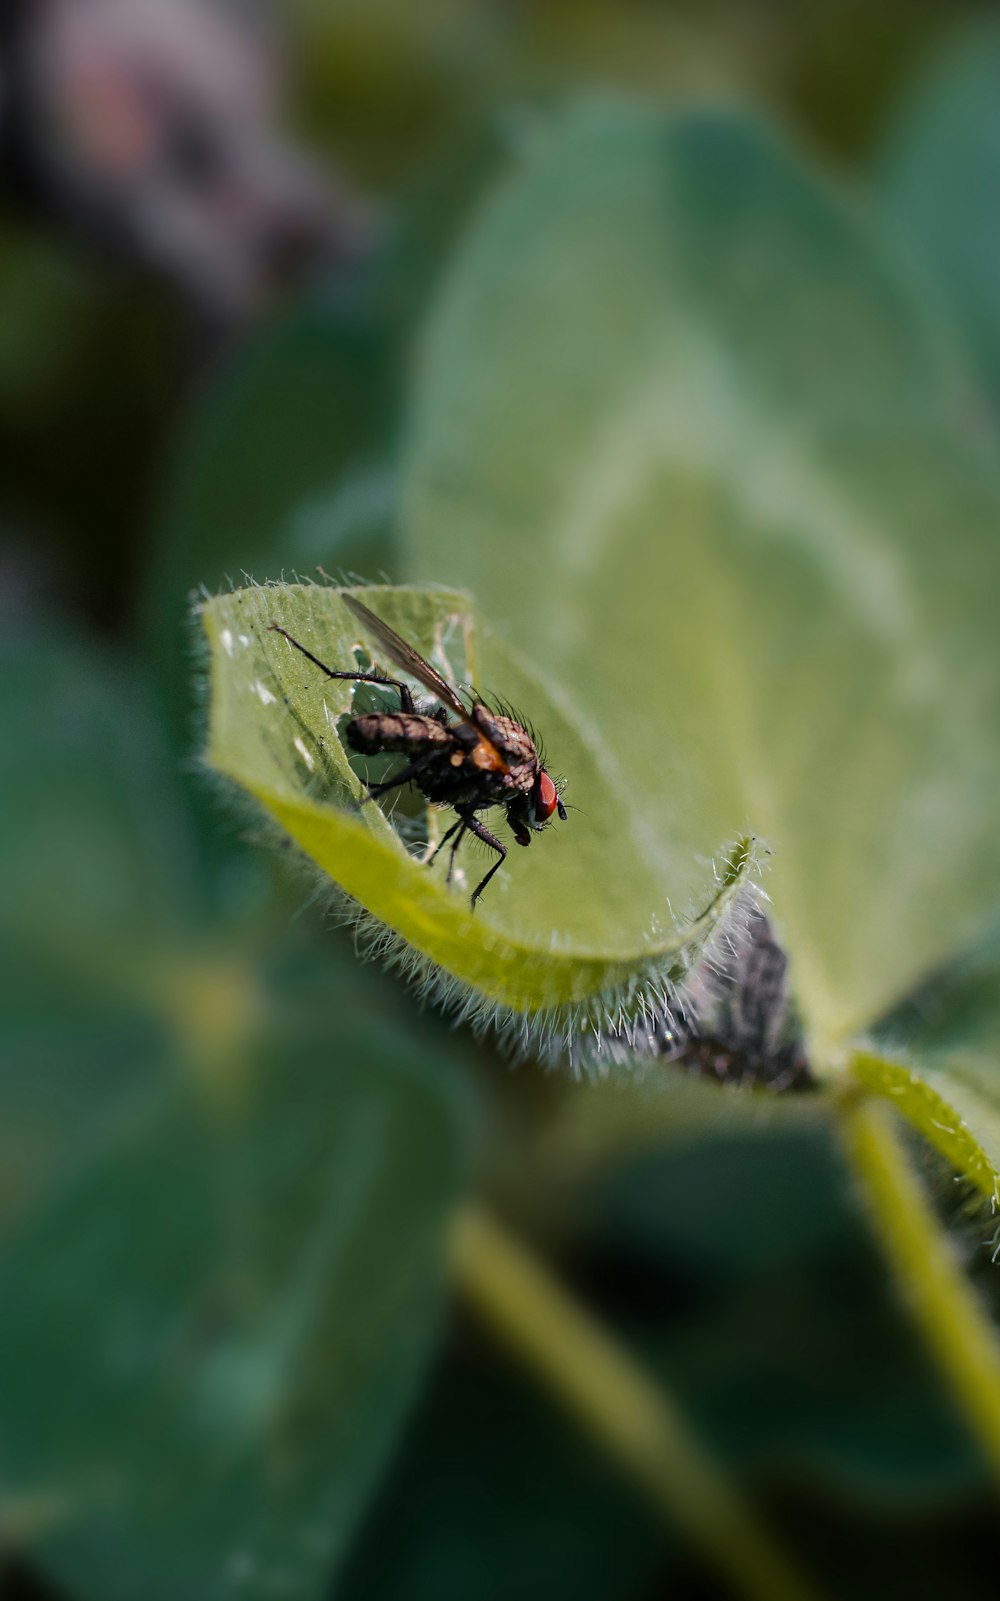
(546,798)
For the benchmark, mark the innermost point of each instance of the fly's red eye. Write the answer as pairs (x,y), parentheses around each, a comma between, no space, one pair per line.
(546,799)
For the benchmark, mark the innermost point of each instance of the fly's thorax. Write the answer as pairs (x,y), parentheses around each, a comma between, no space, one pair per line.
(510,737)
(447,783)
(519,780)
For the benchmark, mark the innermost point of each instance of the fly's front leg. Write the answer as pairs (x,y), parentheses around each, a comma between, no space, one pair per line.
(406,702)
(480,830)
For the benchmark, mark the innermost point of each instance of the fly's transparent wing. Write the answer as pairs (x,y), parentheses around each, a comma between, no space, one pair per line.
(407,659)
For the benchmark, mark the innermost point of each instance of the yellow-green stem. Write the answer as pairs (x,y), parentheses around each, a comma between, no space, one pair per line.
(629,1415)
(940,1297)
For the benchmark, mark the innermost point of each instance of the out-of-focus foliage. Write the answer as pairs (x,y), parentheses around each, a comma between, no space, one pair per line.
(288,455)
(785,1270)
(227,1149)
(395,85)
(938,175)
(226,1169)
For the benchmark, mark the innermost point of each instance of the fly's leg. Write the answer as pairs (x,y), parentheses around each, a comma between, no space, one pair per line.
(405,697)
(462,826)
(443,841)
(480,830)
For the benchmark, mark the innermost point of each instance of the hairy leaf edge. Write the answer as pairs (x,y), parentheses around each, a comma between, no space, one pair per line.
(931,1115)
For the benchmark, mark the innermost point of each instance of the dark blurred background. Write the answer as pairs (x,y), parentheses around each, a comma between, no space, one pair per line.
(174,173)
(219,227)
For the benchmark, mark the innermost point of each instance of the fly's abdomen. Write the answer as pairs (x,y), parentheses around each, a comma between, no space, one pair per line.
(376,732)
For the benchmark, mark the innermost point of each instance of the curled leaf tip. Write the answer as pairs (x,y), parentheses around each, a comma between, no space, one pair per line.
(573,951)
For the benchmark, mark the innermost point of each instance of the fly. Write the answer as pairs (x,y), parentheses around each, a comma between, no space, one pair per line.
(478,760)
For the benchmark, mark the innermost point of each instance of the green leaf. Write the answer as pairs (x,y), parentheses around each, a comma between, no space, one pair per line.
(212,1332)
(227,1163)
(576,928)
(495,1496)
(93,844)
(937,1058)
(938,175)
(683,421)
(310,397)
(97,891)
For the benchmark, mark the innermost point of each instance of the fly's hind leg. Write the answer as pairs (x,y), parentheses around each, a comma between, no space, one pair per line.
(461,826)
(458,829)
(480,830)
(405,697)
(443,841)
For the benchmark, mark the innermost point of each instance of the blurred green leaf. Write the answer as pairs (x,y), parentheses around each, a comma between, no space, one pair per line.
(687,431)
(225,1178)
(938,175)
(740,1269)
(97,886)
(93,844)
(738,1260)
(494,1497)
(567,933)
(310,397)
(766,1307)
(286,461)
(212,1331)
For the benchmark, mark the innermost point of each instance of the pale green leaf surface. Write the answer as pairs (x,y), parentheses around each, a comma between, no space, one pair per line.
(584,912)
(684,424)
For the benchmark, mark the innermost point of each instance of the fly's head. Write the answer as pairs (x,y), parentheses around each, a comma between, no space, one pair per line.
(532,810)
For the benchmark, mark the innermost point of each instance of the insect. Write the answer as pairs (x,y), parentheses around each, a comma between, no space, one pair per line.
(480,760)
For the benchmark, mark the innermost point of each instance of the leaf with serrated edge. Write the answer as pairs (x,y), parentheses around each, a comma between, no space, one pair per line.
(571,933)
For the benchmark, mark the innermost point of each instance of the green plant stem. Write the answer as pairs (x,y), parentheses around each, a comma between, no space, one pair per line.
(943,1302)
(626,1412)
